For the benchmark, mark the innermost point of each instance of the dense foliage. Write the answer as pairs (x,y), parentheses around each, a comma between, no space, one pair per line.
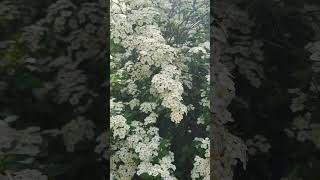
(267,53)
(53,89)
(159,88)
(259,121)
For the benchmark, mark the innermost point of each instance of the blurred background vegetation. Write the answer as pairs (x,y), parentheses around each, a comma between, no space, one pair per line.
(283,28)
(30,39)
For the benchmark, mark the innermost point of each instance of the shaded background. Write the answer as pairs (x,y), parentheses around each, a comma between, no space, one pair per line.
(284,30)
(53,75)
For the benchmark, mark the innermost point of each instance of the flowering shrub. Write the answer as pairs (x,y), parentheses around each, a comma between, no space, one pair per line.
(159,89)
(53,89)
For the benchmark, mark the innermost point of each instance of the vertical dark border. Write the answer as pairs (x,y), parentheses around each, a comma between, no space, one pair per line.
(108,81)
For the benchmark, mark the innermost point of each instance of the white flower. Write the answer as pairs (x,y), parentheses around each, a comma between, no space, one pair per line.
(152,118)
(197,50)
(201,166)
(147,107)
(119,126)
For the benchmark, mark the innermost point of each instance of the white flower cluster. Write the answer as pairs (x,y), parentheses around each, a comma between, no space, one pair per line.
(145,142)
(150,69)
(197,50)
(200,120)
(115,107)
(134,103)
(152,118)
(171,91)
(203,49)
(153,50)
(142,144)
(205,100)
(147,107)
(119,126)
(201,166)
(123,165)
(162,169)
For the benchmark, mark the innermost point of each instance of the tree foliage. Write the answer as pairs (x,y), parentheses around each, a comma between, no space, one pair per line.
(159,89)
